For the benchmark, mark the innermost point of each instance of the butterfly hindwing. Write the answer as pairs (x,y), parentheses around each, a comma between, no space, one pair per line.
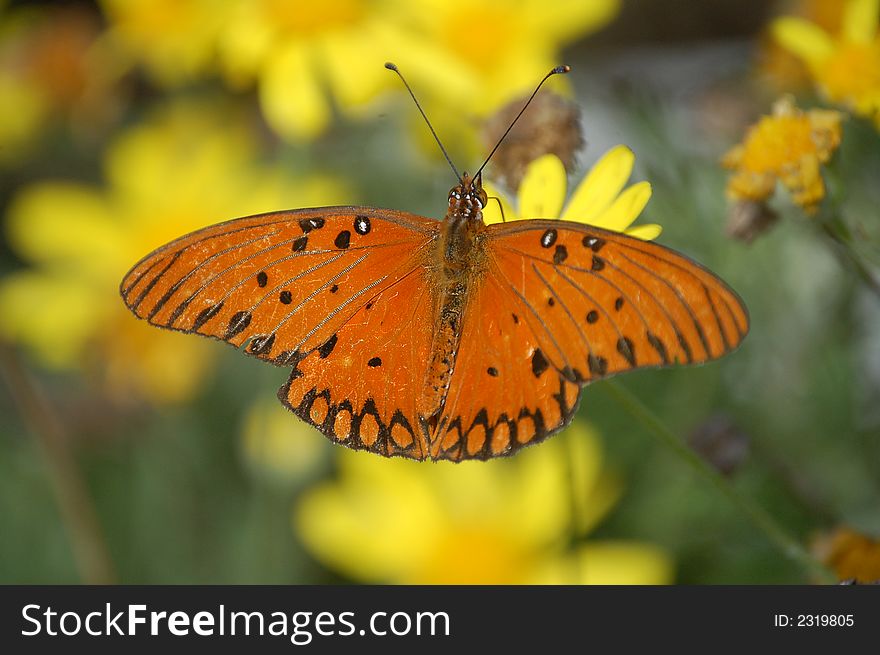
(362,386)
(561,304)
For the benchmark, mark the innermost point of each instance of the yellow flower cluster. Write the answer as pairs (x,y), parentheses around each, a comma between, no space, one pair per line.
(789,147)
(500,522)
(308,59)
(844,66)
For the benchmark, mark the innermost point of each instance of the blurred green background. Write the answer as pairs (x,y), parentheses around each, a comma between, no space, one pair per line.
(134,455)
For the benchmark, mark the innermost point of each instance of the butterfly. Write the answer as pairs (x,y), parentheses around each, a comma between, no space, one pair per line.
(453,339)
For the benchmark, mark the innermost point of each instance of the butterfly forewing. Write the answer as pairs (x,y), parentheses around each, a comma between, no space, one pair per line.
(561,304)
(276,283)
(338,293)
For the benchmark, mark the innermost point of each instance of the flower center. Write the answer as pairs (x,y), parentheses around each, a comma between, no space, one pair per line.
(479,37)
(777,141)
(473,555)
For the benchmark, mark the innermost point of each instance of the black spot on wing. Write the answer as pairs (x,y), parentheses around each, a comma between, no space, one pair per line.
(262,345)
(309,224)
(327,348)
(593,243)
(560,255)
(659,346)
(343,239)
(206,315)
(685,346)
(548,238)
(625,348)
(598,365)
(539,363)
(237,324)
(362,225)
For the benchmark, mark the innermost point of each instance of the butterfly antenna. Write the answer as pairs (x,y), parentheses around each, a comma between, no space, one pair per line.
(556,71)
(392,67)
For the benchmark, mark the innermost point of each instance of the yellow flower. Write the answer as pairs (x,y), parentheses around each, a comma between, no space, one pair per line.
(788,146)
(502,48)
(780,67)
(845,66)
(494,50)
(850,554)
(187,167)
(307,59)
(297,52)
(175,39)
(503,521)
(600,199)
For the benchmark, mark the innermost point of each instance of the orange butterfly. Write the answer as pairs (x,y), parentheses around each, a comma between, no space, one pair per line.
(431,339)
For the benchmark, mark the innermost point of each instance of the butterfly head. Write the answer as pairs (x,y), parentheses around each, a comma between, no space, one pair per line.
(466,200)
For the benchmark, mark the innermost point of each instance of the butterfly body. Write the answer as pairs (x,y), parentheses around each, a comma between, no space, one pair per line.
(427,339)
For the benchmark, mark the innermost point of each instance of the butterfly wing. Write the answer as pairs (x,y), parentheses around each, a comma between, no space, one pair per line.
(561,304)
(328,291)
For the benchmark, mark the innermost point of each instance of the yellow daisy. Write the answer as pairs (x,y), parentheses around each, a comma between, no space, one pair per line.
(600,199)
(503,47)
(186,167)
(308,57)
(502,522)
(789,146)
(845,66)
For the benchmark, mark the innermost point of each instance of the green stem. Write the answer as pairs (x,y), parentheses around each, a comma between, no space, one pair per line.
(786,544)
(77,511)
(835,230)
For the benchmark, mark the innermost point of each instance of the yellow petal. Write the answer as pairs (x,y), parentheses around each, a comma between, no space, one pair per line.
(600,186)
(492,211)
(607,562)
(859,23)
(623,563)
(28,319)
(291,97)
(803,38)
(354,67)
(647,232)
(542,190)
(570,19)
(625,209)
(594,492)
(64,224)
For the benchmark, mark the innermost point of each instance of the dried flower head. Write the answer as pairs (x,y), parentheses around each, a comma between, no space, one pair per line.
(551,125)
